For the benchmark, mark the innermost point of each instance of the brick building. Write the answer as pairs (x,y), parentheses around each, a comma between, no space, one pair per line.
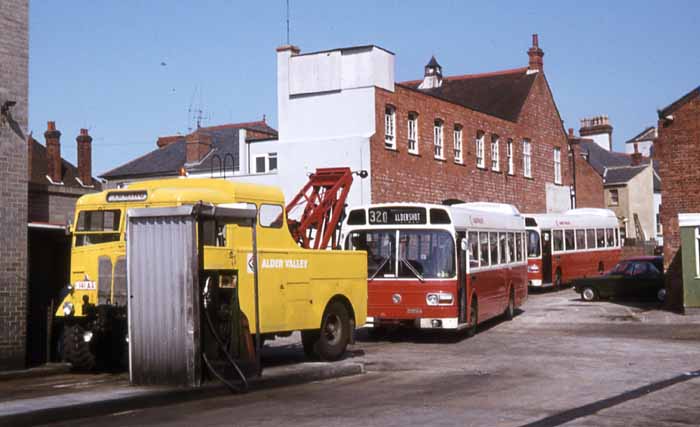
(678,151)
(489,137)
(14,59)
(54,186)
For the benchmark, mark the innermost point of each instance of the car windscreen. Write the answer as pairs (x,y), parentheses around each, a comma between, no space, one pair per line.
(533,244)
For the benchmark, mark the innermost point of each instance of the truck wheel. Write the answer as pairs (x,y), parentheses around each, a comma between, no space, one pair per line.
(510,309)
(75,350)
(589,294)
(331,341)
(473,318)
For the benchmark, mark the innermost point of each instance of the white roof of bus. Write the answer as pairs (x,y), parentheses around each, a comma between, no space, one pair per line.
(483,215)
(577,218)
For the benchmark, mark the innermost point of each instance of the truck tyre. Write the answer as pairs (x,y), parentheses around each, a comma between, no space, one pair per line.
(75,350)
(330,342)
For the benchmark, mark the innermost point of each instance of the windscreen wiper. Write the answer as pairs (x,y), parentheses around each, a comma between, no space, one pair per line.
(379,268)
(412,268)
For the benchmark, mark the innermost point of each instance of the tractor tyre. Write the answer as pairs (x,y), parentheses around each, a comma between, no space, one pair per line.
(75,350)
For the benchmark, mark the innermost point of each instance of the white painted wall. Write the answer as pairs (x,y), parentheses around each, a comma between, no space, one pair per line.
(602,139)
(657,205)
(643,147)
(558,197)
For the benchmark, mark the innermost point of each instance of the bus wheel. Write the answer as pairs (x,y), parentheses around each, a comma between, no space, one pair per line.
(510,309)
(557,279)
(331,341)
(75,350)
(473,318)
(589,294)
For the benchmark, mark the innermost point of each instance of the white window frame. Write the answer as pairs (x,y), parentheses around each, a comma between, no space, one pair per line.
(458,144)
(390,127)
(267,157)
(509,156)
(413,133)
(438,140)
(616,201)
(697,253)
(557,165)
(495,154)
(527,158)
(480,158)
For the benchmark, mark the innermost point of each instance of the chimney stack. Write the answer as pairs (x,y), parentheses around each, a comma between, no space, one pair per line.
(598,129)
(84,141)
(53,153)
(636,156)
(535,55)
(198,145)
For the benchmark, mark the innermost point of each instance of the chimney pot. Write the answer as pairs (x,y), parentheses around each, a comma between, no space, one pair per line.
(535,55)
(535,40)
(571,132)
(51,126)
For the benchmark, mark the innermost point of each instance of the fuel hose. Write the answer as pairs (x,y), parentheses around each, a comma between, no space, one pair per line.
(234,388)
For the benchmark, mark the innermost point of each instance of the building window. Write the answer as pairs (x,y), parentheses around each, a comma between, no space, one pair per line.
(413,133)
(458,143)
(266,163)
(495,160)
(437,139)
(527,159)
(509,155)
(659,227)
(614,198)
(557,165)
(390,127)
(272,162)
(697,251)
(480,161)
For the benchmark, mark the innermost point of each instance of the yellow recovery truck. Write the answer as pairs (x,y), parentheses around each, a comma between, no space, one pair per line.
(322,293)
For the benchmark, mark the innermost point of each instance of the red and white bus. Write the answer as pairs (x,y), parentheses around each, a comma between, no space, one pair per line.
(576,243)
(440,267)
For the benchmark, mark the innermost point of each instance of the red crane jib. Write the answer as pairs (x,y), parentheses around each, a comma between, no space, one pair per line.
(323,201)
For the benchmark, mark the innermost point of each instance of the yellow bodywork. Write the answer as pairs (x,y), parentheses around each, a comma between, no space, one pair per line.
(295,284)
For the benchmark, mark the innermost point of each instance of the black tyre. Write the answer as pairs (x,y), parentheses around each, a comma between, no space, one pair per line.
(589,294)
(75,350)
(331,341)
(509,314)
(557,279)
(473,318)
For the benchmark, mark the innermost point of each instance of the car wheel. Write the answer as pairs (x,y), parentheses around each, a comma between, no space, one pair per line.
(589,294)
(661,295)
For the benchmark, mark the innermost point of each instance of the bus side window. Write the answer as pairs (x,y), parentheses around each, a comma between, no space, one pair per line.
(590,238)
(518,247)
(580,239)
(569,240)
(600,237)
(484,249)
(503,247)
(511,247)
(557,241)
(493,241)
(473,249)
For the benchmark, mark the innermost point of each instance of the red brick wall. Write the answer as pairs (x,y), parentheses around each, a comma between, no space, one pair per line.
(400,176)
(678,151)
(589,185)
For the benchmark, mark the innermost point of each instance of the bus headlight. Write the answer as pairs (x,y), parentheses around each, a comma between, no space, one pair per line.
(68,308)
(440,298)
(87,336)
(533,268)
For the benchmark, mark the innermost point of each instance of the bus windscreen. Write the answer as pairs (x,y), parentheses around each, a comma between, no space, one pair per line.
(533,244)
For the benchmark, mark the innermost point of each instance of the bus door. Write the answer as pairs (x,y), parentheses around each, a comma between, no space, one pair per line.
(462,276)
(546,256)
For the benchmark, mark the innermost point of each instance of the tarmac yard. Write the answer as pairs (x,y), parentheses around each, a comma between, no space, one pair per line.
(560,362)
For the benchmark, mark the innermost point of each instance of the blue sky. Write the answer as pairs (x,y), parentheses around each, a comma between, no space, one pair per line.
(99,64)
